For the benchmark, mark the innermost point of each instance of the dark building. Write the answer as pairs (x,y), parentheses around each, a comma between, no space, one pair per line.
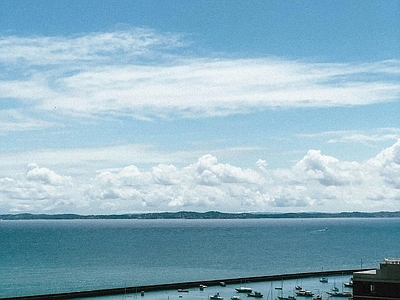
(378,284)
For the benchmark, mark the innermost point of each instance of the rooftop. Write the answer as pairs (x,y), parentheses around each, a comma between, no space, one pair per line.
(393,261)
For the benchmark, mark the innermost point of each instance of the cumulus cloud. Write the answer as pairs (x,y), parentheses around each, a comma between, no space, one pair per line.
(317,182)
(46,176)
(134,73)
(39,190)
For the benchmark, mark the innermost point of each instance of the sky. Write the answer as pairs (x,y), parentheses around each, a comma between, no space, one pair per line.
(113,107)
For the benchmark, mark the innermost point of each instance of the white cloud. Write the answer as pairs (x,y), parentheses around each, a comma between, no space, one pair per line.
(46,176)
(14,120)
(133,73)
(100,47)
(39,190)
(316,182)
(354,136)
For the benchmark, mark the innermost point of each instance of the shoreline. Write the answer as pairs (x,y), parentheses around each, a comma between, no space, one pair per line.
(180,285)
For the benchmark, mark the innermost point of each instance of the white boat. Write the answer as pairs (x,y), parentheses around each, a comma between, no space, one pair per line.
(235,298)
(340,294)
(323,279)
(255,295)
(349,284)
(244,289)
(287,298)
(216,296)
(304,293)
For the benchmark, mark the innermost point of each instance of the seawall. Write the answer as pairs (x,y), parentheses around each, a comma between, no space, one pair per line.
(180,285)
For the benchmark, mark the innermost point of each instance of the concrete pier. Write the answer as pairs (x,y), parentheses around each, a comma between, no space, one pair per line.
(180,285)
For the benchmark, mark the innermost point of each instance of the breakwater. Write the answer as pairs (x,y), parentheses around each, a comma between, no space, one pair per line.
(180,285)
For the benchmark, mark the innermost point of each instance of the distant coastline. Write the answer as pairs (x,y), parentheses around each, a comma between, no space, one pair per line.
(201,215)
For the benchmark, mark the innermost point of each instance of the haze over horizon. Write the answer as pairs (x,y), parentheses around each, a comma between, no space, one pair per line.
(232,106)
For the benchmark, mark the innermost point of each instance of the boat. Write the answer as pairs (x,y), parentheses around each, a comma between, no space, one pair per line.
(244,289)
(304,293)
(255,294)
(298,288)
(183,291)
(335,293)
(287,298)
(278,287)
(323,279)
(319,297)
(349,284)
(202,287)
(340,294)
(216,296)
(235,297)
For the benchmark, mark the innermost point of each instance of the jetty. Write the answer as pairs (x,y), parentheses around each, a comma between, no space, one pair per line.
(180,285)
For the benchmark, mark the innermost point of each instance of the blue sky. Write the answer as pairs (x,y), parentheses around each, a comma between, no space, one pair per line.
(136,106)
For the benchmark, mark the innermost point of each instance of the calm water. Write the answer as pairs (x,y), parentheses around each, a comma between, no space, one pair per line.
(39,257)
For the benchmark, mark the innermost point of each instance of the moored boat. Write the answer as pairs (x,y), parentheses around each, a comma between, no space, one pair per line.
(287,298)
(255,294)
(323,279)
(349,284)
(244,289)
(340,294)
(216,296)
(304,293)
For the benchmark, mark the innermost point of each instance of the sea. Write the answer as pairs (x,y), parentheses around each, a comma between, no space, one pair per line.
(54,256)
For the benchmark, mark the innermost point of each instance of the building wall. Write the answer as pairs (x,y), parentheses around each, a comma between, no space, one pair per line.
(363,290)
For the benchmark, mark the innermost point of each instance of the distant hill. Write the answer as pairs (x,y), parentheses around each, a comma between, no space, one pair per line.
(202,215)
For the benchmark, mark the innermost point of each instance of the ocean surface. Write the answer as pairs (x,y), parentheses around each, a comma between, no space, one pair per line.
(43,256)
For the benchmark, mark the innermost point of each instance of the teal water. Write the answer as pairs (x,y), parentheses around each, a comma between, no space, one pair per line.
(38,257)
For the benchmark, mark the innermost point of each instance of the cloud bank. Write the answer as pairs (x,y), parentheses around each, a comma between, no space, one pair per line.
(317,182)
(144,74)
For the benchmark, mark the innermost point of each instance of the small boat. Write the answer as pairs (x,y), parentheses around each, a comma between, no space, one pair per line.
(349,284)
(323,279)
(340,294)
(255,294)
(183,291)
(304,293)
(216,296)
(287,298)
(319,297)
(235,298)
(244,289)
(222,283)
(278,287)
(202,287)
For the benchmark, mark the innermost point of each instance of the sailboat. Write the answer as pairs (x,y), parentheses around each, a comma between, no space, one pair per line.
(281,297)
